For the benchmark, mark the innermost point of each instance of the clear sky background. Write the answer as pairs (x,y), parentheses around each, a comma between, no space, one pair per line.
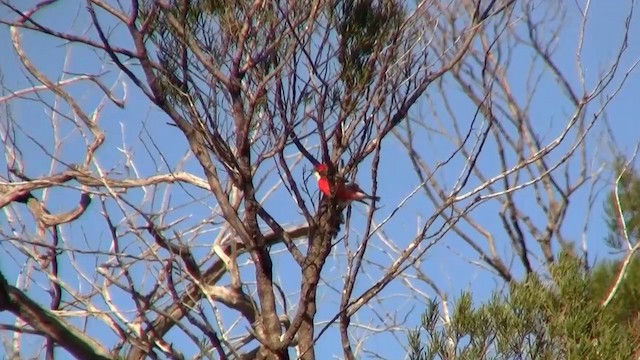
(141,128)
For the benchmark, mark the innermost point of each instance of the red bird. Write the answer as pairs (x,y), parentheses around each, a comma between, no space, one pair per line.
(345,193)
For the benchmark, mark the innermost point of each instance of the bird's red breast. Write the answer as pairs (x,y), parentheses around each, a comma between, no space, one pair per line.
(344,192)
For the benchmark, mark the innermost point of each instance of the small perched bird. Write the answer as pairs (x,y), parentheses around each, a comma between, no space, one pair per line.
(345,192)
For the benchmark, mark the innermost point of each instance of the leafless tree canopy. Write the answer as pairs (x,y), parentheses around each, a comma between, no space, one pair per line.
(156,192)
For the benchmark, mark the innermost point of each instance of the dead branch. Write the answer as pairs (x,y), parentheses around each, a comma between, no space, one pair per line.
(41,320)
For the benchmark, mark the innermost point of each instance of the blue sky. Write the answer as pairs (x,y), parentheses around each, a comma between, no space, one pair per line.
(158,148)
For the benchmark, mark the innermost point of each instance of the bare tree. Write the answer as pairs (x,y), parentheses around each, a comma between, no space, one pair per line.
(195,232)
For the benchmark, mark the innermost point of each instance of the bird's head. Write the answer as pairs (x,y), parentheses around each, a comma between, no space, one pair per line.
(320,171)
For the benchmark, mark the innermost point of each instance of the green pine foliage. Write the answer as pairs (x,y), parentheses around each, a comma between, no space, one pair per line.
(365,28)
(557,318)
(563,317)
(625,306)
(622,208)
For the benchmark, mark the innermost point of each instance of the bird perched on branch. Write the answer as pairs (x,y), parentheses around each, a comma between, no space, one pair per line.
(344,192)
